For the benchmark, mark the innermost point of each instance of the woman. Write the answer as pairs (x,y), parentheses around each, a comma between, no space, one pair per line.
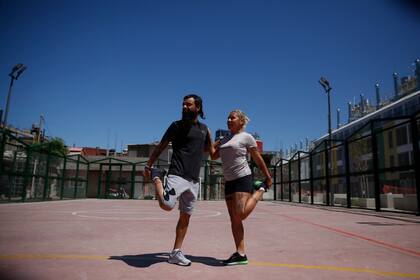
(239,195)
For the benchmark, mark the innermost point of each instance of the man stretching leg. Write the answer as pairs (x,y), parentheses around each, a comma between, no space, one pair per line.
(190,139)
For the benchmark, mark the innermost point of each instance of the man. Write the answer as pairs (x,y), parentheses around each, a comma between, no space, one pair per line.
(190,139)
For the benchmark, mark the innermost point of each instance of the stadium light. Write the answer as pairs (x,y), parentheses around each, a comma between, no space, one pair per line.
(14,75)
(326,85)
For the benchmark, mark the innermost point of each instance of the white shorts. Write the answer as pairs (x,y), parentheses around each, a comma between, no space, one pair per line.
(185,191)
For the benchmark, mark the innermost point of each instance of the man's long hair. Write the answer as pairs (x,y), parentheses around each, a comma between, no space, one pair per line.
(198,103)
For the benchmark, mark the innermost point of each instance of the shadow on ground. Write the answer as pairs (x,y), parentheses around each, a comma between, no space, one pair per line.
(146,260)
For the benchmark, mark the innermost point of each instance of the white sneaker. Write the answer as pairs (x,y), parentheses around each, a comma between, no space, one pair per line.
(176,257)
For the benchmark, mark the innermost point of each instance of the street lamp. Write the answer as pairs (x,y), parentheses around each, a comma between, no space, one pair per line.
(14,75)
(326,85)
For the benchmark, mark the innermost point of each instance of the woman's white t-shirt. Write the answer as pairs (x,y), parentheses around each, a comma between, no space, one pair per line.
(233,152)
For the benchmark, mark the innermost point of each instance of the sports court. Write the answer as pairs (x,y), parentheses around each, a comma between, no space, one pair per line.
(129,239)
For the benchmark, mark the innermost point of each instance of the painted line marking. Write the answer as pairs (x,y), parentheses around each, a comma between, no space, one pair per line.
(52,257)
(253,263)
(110,212)
(357,236)
(337,268)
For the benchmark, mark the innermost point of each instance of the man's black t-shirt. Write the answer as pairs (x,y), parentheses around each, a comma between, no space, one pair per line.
(188,142)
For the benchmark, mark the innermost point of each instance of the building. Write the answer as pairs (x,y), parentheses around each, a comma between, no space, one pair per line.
(87,151)
(405,106)
(361,109)
(145,150)
(394,153)
(394,150)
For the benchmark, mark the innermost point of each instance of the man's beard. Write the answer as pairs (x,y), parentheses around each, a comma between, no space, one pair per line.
(189,115)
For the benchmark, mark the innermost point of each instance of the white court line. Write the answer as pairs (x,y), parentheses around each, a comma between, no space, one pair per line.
(86,214)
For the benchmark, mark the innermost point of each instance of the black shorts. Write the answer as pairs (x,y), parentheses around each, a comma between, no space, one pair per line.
(243,184)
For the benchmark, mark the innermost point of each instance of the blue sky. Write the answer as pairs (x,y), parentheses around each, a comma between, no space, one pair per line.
(112,73)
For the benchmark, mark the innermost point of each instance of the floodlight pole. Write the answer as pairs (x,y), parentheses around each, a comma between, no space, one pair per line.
(326,85)
(7,102)
(14,75)
(329,116)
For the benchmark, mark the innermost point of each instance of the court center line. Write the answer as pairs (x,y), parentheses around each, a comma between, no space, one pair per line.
(23,257)
(358,236)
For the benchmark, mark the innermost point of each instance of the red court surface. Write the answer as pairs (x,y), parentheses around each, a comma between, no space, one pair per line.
(129,239)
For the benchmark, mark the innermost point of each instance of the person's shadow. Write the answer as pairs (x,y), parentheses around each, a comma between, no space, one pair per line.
(146,260)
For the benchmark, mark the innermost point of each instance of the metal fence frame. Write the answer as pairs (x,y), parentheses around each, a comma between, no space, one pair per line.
(286,176)
(325,147)
(75,181)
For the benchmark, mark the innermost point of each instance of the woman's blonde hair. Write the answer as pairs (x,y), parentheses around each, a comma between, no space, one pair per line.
(242,117)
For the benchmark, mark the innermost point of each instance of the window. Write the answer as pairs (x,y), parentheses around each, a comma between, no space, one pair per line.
(402,135)
(407,180)
(398,111)
(369,164)
(340,152)
(390,139)
(368,146)
(403,159)
(409,135)
(391,161)
(411,107)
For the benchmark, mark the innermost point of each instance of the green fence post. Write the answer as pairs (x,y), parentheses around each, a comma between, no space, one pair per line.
(327,174)
(133,178)
(119,178)
(108,179)
(26,174)
(375,166)
(9,189)
(99,181)
(311,177)
(347,162)
(2,147)
(299,182)
(206,175)
(142,188)
(63,178)
(416,160)
(87,180)
(47,173)
(290,180)
(77,177)
(281,180)
(275,182)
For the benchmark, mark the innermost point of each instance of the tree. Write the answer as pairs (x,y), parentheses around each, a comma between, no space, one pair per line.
(56,150)
(57,146)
